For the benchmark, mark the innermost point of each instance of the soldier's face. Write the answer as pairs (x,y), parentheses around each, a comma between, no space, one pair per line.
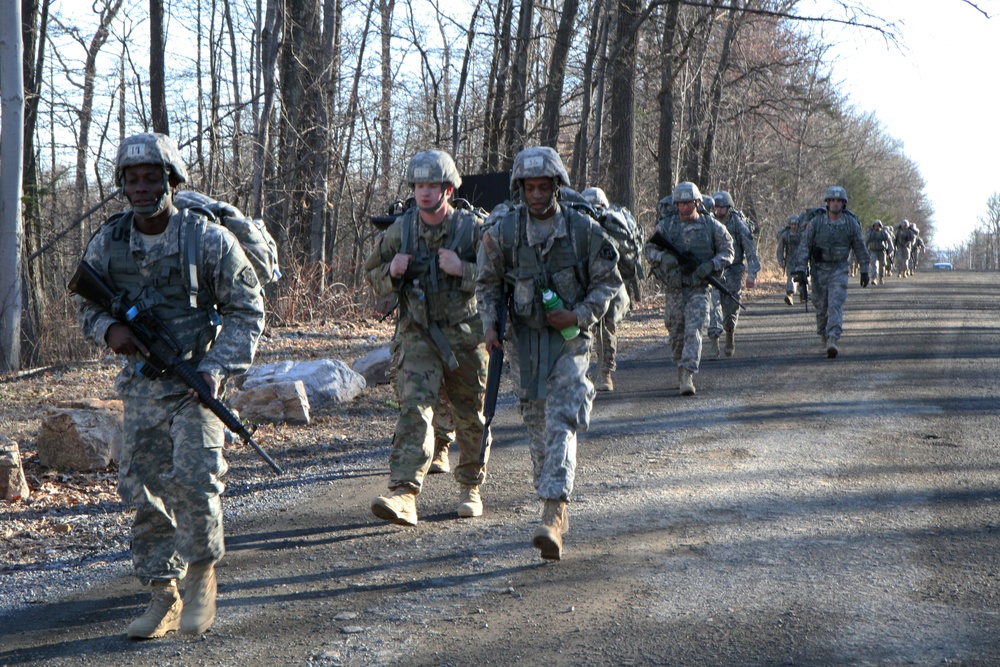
(687,209)
(538,195)
(835,205)
(429,195)
(143,185)
(721,212)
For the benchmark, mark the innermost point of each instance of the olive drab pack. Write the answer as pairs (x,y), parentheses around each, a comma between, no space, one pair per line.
(257,243)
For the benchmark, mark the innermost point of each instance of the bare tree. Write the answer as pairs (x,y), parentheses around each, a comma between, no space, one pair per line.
(157,74)
(557,73)
(621,179)
(11,231)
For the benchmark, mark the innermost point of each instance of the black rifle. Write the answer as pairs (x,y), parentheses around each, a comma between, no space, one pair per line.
(689,263)
(493,375)
(164,350)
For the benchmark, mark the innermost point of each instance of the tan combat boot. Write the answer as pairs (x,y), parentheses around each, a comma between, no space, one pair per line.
(788,298)
(604,382)
(713,346)
(471,502)
(200,590)
(730,343)
(440,462)
(548,536)
(831,348)
(400,506)
(163,614)
(687,383)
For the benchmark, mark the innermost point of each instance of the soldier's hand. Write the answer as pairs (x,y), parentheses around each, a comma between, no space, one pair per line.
(669,262)
(213,386)
(560,318)
(121,339)
(449,262)
(492,340)
(799,276)
(751,282)
(864,280)
(399,265)
(704,270)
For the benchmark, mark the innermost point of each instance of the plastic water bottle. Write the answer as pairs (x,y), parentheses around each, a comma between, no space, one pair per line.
(552,301)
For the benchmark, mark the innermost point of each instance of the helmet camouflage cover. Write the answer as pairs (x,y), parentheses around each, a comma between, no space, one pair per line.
(150,148)
(722,198)
(793,219)
(685,191)
(433,167)
(596,197)
(836,192)
(877,223)
(538,162)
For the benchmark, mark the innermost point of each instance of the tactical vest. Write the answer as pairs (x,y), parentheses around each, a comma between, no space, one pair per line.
(732,224)
(193,323)
(431,296)
(832,242)
(877,241)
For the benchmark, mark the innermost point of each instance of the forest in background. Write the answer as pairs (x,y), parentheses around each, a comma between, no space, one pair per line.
(305,112)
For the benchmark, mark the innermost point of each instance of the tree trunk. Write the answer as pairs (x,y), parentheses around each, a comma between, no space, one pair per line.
(463,77)
(157,75)
(497,86)
(715,103)
(386,9)
(557,74)
(11,231)
(594,169)
(581,143)
(234,65)
(516,108)
(621,179)
(695,116)
(270,45)
(664,144)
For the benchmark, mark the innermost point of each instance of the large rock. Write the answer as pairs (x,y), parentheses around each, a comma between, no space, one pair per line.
(81,435)
(279,402)
(327,381)
(13,486)
(377,366)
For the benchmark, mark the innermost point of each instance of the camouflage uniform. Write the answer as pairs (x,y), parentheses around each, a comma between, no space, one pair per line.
(172,454)
(724,312)
(428,318)
(687,297)
(788,242)
(879,244)
(826,246)
(905,240)
(555,396)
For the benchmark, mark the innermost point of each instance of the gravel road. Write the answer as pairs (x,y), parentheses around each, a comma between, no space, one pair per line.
(798,511)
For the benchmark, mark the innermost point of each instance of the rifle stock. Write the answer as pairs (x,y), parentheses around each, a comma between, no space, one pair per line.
(689,263)
(493,376)
(164,351)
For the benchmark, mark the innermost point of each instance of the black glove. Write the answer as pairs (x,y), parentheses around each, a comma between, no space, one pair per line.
(864,280)
(704,270)
(799,276)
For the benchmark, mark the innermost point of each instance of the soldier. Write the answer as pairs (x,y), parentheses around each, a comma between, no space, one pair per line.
(825,246)
(724,312)
(879,244)
(687,296)
(540,245)
(905,239)
(172,453)
(917,250)
(605,338)
(788,241)
(428,256)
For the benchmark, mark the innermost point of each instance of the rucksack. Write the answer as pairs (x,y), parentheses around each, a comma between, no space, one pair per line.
(251,233)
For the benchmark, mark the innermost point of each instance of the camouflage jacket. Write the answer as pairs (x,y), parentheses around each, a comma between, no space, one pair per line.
(231,286)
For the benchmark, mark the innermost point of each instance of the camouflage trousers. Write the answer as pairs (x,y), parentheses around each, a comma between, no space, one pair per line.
(420,377)
(902,262)
(686,314)
(444,424)
(790,286)
(724,313)
(170,469)
(877,264)
(829,282)
(605,343)
(553,422)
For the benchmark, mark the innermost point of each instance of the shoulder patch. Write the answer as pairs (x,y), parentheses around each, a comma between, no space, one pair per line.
(248,277)
(488,245)
(607,251)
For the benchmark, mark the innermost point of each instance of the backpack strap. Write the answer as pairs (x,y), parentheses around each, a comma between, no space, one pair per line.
(191,232)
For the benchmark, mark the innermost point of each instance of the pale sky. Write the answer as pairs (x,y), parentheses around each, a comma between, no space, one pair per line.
(938,94)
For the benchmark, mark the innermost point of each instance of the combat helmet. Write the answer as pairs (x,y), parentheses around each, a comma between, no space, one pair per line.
(433,167)
(876,223)
(904,224)
(836,192)
(538,162)
(150,148)
(596,197)
(685,191)
(722,198)
(793,219)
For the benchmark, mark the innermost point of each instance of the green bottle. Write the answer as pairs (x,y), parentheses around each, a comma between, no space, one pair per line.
(551,301)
